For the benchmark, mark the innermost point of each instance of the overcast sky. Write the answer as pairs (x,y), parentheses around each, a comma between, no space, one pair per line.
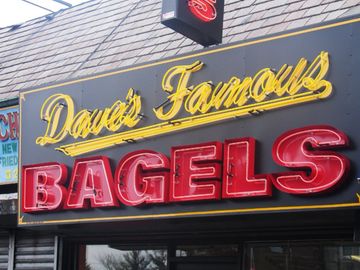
(18,11)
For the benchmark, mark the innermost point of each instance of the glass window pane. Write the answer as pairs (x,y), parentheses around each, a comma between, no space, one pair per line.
(303,256)
(107,257)
(208,250)
(306,257)
(268,257)
(342,257)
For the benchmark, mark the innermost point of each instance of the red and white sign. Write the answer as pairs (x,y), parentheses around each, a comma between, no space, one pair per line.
(208,171)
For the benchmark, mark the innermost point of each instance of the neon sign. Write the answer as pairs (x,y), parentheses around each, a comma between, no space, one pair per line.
(205,103)
(199,20)
(197,135)
(197,173)
(86,122)
(91,182)
(327,169)
(44,188)
(204,10)
(194,172)
(142,177)
(239,179)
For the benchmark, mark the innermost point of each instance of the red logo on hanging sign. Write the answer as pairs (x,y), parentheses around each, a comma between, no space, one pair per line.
(204,10)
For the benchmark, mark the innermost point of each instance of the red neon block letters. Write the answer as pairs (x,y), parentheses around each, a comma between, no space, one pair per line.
(142,177)
(42,187)
(239,179)
(91,181)
(196,172)
(306,148)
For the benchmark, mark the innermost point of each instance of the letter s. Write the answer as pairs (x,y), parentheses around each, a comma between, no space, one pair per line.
(307,148)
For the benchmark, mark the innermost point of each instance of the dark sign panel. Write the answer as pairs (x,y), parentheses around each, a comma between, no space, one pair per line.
(199,20)
(267,125)
(9,131)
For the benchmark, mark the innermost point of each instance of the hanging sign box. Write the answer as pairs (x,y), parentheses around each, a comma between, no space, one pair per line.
(199,20)
(239,129)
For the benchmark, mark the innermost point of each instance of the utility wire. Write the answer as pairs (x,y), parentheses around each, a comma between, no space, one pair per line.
(31,3)
(63,3)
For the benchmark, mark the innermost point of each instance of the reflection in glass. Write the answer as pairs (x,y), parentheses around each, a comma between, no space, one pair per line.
(267,258)
(302,256)
(203,251)
(306,257)
(104,257)
(342,258)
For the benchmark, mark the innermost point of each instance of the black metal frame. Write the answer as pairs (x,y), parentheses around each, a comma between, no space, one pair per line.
(70,255)
(318,236)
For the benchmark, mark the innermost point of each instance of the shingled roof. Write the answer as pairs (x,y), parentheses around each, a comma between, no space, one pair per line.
(103,35)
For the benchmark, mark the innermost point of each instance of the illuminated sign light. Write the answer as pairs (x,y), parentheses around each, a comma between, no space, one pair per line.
(210,104)
(204,10)
(142,177)
(44,186)
(199,20)
(327,169)
(195,172)
(91,182)
(239,179)
(86,122)
(205,102)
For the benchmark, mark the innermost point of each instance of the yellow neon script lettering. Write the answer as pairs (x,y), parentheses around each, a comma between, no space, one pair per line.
(176,99)
(51,112)
(58,111)
(204,97)
(205,102)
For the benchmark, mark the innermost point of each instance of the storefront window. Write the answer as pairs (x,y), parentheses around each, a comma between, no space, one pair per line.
(108,257)
(295,256)
(272,257)
(287,255)
(210,250)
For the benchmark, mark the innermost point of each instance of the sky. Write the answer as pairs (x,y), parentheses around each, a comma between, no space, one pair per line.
(19,11)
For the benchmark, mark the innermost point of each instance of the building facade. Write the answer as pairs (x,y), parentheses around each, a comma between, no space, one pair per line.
(141,149)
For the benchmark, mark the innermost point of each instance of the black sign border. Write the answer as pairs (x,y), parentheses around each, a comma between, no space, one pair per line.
(291,33)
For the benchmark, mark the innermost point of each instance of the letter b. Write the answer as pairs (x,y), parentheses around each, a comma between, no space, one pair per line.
(42,187)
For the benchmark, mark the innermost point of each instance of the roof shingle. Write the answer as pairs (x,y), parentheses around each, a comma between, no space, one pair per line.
(102,35)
